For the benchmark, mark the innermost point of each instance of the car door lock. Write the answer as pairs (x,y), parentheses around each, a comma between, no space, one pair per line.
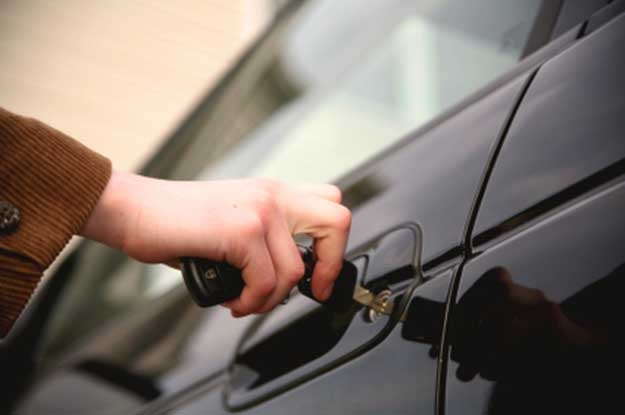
(211,283)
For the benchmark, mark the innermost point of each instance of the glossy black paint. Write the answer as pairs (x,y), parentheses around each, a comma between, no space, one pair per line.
(569,128)
(535,326)
(574,11)
(394,377)
(436,167)
(604,15)
(545,334)
(285,351)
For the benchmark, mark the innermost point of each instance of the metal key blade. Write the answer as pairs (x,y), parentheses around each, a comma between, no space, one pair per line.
(380,303)
(363,296)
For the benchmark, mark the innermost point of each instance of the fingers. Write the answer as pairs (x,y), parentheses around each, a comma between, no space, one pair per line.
(328,223)
(272,265)
(260,279)
(287,263)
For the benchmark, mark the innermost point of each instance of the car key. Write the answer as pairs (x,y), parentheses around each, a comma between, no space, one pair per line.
(210,283)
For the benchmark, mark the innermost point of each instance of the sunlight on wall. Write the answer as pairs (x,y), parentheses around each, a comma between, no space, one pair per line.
(118,75)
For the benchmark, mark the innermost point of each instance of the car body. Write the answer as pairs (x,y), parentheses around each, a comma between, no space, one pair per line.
(492,213)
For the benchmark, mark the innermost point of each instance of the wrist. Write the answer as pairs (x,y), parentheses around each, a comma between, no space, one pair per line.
(111,220)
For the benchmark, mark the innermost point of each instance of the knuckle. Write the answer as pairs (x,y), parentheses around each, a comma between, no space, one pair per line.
(265,286)
(335,192)
(299,269)
(295,273)
(343,218)
(251,226)
(265,205)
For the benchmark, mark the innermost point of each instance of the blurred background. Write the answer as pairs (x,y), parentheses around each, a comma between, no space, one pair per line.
(338,84)
(119,75)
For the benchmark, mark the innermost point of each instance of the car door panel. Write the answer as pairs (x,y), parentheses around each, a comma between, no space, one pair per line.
(394,377)
(287,348)
(436,161)
(605,15)
(573,12)
(568,129)
(539,337)
(534,323)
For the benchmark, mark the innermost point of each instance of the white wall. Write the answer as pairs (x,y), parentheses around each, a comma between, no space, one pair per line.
(118,74)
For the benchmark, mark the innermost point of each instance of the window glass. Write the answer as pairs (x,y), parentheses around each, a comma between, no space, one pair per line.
(369,73)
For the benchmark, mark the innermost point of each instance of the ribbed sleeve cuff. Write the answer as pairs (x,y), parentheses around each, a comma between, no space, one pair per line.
(55,183)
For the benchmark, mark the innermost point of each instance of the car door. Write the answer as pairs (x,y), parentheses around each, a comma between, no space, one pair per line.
(279,367)
(535,322)
(387,246)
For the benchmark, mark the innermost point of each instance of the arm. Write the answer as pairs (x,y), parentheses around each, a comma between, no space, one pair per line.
(61,188)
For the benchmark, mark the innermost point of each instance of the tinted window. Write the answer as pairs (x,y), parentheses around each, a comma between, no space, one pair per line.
(367,72)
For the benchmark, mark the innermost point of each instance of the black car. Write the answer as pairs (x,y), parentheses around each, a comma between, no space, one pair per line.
(481,148)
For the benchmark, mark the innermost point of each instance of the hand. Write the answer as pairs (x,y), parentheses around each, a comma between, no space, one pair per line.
(503,327)
(247,223)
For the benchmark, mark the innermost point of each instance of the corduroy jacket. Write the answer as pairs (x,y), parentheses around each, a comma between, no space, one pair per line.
(49,184)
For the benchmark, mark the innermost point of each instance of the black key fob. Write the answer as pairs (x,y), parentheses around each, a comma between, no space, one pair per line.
(210,283)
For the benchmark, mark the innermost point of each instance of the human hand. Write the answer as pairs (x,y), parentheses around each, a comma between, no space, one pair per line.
(503,327)
(247,223)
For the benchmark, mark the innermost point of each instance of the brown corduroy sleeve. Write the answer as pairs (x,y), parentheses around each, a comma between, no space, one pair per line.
(55,182)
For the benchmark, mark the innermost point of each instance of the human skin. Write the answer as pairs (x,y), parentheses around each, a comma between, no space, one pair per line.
(248,223)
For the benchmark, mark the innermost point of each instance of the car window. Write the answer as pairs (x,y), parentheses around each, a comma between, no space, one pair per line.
(367,73)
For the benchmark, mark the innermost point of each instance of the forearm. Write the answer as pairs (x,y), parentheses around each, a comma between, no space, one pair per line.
(117,209)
